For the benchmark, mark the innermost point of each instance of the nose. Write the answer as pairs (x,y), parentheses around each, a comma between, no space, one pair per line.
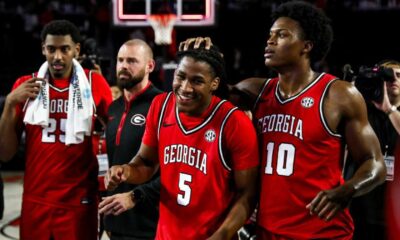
(271,40)
(123,65)
(186,86)
(58,54)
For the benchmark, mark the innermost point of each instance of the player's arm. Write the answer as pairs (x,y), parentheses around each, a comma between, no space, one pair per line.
(244,94)
(345,108)
(245,164)
(148,193)
(246,185)
(103,92)
(142,167)
(9,134)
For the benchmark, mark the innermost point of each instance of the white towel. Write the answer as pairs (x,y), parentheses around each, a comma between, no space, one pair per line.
(80,105)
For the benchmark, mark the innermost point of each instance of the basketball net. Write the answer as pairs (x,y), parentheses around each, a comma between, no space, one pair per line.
(162,24)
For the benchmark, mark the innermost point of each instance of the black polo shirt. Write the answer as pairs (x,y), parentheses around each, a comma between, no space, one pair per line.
(124,132)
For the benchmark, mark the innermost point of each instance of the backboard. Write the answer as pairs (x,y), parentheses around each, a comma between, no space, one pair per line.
(188,12)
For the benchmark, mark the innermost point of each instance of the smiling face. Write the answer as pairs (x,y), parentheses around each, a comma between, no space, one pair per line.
(285,45)
(59,51)
(193,85)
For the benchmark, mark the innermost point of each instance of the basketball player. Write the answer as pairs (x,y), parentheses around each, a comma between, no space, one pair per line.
(304,118)
(57,106)
(206,150)
(125,128)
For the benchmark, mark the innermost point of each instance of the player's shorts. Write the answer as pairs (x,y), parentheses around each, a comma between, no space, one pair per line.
(263,234)
(44,222)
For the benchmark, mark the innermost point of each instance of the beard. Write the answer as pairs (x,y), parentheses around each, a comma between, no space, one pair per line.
(131,81)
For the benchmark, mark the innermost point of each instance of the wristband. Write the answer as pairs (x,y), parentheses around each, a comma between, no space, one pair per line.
(392,109)
(137,196)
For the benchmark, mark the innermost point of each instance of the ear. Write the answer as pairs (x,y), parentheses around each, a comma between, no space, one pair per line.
(77,49)
(151,64)
(308,46)
(215,84)
(43,49)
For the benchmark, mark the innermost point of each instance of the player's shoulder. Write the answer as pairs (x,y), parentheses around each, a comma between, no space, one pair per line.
(94,75)
(162,97)
(244,93)
(235,114)
(340,89)
(251,85)
(25,78)
(22,79)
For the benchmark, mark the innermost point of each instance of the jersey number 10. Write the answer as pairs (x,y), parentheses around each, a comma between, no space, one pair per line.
(285,159)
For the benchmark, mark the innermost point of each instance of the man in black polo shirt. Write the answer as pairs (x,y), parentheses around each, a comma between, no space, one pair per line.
(126,124)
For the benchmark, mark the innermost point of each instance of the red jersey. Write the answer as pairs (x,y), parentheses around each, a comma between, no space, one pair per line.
(392,205)
(197,157)
(56,174)
(300,157)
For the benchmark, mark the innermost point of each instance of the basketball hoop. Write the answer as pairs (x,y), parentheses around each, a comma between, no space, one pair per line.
(162,25)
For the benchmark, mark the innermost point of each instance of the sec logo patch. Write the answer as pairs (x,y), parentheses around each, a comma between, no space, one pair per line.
(210,135)
(307,102)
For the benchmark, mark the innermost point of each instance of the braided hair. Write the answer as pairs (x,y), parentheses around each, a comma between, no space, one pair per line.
(212,57)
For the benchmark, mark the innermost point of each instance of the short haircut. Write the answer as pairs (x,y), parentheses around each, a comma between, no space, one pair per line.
(388,63)
(134,42)
(315,24)
(212,57)
(61,28)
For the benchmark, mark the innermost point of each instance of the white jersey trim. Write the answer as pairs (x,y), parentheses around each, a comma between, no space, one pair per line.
(283,101)
(186,132)
(321,112)
(161,117)
(220,150)
(261,93)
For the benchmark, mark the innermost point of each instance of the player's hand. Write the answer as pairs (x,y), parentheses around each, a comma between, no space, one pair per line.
(115,175)
(27,90)
(183,46)
(328,203)
(116,204)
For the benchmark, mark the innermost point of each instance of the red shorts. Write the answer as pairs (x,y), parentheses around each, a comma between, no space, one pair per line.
(266,235)
(43,222)
(263,234)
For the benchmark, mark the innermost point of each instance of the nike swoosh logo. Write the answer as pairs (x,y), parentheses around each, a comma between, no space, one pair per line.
(168,124)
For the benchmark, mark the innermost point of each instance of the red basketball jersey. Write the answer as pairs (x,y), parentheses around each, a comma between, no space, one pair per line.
(300,157)
(56,174)
(196,163)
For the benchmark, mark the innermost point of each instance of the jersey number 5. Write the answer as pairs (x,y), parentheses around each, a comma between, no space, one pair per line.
(49,133)
(184,180)
(285,161)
